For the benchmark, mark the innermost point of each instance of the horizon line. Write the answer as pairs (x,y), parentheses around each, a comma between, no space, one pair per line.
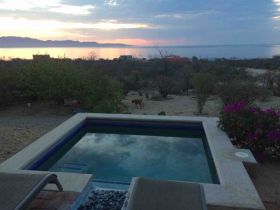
(146,46)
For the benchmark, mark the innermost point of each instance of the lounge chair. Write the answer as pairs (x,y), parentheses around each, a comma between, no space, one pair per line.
(147,194)
(18,190)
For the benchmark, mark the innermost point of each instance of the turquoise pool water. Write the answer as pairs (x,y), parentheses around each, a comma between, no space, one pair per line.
(118,153)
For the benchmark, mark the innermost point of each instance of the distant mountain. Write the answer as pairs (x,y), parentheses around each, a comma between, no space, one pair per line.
(24,42)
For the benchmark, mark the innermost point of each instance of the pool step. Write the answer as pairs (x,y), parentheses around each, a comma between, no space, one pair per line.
(74,167)
(110,185)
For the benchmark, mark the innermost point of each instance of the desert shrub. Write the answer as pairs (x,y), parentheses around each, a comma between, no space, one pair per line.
(264,94)
(8,87)
(133,80)
(156,98)
(51,81)
(276,88)
(237,90)
(57,81)
(186,84)
(203,85)
(140,93)
(227,73)
(147,96)
(102,94)
(162,113)
(165,85)
(253,128)
(266,80)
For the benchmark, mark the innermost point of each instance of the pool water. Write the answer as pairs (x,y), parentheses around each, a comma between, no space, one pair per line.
(115,154)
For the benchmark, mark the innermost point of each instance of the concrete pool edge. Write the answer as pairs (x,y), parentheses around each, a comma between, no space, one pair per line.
(235,188)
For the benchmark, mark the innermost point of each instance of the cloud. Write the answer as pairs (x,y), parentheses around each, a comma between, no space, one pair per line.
(54,28)
(185,16)
(72,10)
(277,2)
(276,16)
(175,16)
(111,2)
(145,21)
(55,6)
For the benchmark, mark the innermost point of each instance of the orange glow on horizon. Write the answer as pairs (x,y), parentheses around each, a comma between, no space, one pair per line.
(144,42)
(138,42)
(53,29)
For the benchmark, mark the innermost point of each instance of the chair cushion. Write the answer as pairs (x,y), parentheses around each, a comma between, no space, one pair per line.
(147,194)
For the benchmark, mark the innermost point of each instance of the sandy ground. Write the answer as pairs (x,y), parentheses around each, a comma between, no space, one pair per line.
(173,105)
(20,126)
(256,72)
(185,105)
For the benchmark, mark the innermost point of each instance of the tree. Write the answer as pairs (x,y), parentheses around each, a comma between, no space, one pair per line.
(238,90)
(203,85)
(163,74)
(92,56)
(164,84)
(186,78)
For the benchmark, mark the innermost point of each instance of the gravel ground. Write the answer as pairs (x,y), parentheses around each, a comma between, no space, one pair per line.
(20,126)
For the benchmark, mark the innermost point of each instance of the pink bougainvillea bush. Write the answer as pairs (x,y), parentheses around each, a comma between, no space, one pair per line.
(251,127)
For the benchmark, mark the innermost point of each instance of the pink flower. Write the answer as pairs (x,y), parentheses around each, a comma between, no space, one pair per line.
(254,136)
(271,111)
(237,107)
(274,135)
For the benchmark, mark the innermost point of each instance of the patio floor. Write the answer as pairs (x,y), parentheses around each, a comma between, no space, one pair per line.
(52,200)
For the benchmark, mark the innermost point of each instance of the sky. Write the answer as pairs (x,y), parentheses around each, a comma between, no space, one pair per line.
(144,22)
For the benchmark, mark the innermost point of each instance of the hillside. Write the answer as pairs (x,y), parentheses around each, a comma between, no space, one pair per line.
(24,42)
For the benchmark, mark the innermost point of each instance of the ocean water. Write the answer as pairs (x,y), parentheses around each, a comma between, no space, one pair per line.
(210,52)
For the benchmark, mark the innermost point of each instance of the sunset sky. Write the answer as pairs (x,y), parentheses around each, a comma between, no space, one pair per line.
(144,22)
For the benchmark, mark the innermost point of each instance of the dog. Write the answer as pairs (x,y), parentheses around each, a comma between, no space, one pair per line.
(139,103)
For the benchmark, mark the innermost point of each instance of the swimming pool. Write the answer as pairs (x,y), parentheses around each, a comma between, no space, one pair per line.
(117,151)
(194,149)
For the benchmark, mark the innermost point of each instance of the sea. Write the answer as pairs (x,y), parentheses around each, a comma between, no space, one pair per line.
(206,51)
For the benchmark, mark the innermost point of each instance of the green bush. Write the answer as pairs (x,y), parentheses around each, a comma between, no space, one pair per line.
(51,81)
(102,94)
(8,87)
(59,80)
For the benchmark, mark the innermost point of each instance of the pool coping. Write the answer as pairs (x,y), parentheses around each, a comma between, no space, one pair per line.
(235,189)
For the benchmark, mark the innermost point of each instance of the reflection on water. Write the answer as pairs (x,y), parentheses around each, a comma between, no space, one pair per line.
(118,157)
(105,53)
(227,51)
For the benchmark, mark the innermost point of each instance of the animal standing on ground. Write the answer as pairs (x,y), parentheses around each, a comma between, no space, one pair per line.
(139,103)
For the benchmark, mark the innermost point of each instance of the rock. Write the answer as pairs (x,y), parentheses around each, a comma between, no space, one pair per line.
(104,200)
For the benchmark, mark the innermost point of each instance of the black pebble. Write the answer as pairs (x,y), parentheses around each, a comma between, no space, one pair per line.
(104,200)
